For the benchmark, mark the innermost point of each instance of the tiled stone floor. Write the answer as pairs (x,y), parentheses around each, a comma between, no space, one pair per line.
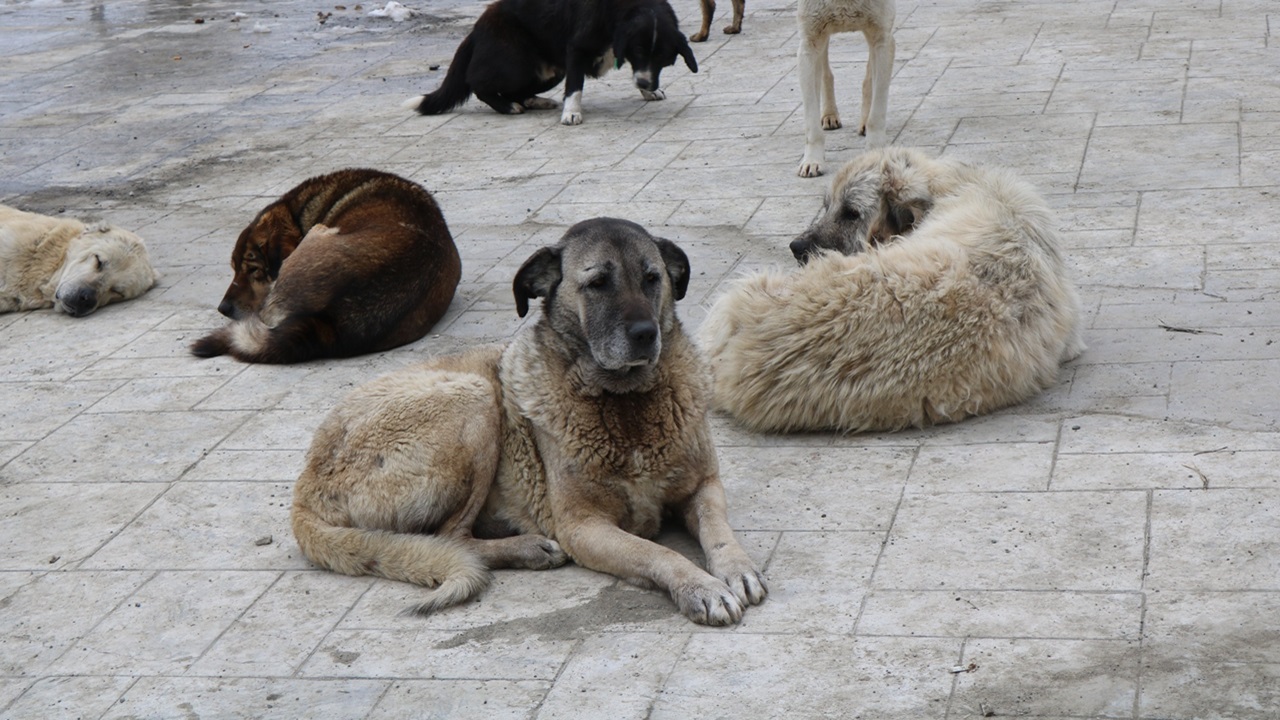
(1110,549)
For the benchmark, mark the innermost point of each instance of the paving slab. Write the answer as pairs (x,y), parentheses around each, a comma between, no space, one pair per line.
(1107,549)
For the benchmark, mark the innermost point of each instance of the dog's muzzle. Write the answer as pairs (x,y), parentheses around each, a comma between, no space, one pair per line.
(78,302)
(226,307)
(802,247)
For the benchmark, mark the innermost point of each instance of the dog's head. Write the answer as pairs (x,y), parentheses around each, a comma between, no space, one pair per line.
(104,264)
(877,196)
(260,250)
(649,39)
(610,290)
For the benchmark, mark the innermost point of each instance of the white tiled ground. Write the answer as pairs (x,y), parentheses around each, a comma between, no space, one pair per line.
(1109,549)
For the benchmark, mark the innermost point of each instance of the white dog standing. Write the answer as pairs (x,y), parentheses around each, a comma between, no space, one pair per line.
(64,264)
(932,291)
(819,20)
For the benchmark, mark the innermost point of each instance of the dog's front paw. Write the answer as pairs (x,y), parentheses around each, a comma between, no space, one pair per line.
(748,586)
(570,118)
(831,122)
(653,94)
(699,36)
(709,602)
(809,168)
(733,29)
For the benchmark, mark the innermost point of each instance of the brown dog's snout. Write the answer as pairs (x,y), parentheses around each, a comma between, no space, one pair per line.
(228,308)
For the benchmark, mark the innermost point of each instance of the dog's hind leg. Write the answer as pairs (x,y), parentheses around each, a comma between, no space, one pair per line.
(735,27)
(875,87)
(500,103)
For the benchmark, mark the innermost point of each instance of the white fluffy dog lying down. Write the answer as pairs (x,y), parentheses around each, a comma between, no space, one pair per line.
(933,291)
(63,264)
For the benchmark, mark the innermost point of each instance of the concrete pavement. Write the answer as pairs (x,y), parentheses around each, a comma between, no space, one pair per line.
(1110,549)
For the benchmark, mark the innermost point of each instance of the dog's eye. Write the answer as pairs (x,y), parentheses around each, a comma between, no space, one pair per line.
(849,214)
(99,262)
(652,277)
(598,281)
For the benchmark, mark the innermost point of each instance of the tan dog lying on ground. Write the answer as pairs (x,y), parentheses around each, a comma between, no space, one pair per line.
(64,264)
(579,435)
(934,291)
(352,262)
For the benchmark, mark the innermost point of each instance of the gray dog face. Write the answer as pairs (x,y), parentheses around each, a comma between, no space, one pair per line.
(610,290)
(873,199)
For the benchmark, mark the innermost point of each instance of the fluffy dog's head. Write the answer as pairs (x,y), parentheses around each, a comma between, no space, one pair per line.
(104,264)
(610,290)
(649,39)
(877,196)
(260,250)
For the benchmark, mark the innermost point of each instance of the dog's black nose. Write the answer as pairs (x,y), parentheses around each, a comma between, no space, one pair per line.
(642,333)
(801,247)
(81,302)
(226,308)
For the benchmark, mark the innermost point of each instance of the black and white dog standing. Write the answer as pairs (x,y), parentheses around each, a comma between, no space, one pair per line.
(519,48)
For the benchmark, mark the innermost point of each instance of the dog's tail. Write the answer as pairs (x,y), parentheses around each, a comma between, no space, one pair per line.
(454,90)
(455,573)
(296,339)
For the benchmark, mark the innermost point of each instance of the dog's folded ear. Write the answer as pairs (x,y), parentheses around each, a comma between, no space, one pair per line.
(538,277)
(677,266)
(686,52)
(276,235)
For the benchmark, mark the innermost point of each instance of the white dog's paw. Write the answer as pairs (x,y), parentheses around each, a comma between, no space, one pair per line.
(654,94)
(710,602)
(571,118)
(572,114)
(831,122)
(809,168)
(876,139)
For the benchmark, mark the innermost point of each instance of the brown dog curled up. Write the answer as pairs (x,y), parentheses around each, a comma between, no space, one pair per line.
(353,262)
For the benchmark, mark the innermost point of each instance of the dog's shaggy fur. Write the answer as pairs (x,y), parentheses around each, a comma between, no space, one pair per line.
(819,20)
(64,264)
(582,433)
(969,312)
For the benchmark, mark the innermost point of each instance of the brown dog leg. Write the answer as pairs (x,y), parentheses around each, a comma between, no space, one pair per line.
(708,12)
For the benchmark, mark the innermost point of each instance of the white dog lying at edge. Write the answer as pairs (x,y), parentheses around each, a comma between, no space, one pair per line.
(819,20)
(64,264)
(933,291)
